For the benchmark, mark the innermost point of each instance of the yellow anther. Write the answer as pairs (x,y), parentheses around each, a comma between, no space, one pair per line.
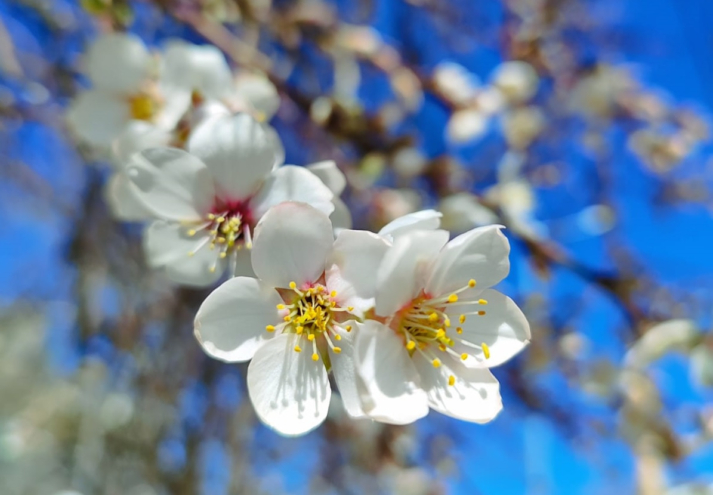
(287,318)
(270,328)
(451,380)
(486,350)
(348,328)
(298,348)
(211,216)
(453,298)
(481,313)
(299,330)
(191,233)
(211,269)
(310,337)
(447,322)
(315,357)
(440,333)
(461,318)
(280,306)
(459,330)
(471,283)
(464,356)
(411,345)
(337,337)
(482,301)
(442,347)
(436,363)
(223,255)
(333,293)
(337,350)
(293,285)
(433,317)
(350,308)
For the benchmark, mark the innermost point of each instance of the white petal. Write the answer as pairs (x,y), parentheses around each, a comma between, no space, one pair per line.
(242,264)
(274,138)
(400,276)
(238,152)
(202,68)
(118,62)
(171,183)
(136,136)
(291,244)
(356,257)
(420,220)
(387,379)
(259,93)
(231,322)
(168,246)
(474,396)
(341,217)
(481,254)
(344,371)
(329,173)
(176,102)
(98,117)
(290,391)
(121,197)
(291,183)
(503,328)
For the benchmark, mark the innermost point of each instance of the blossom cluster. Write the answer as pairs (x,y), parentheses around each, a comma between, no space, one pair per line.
(405,319)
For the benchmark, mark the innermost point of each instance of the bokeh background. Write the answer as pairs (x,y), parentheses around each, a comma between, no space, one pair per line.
(603,177)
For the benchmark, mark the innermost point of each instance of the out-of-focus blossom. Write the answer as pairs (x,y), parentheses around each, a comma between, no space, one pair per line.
(455,82)
(439,333)
(299,309)
(462,211)
(467,125)
(670,335)
(409,162)
(208,200)
(126,87)
(517,80)
(522,125)
(597,94)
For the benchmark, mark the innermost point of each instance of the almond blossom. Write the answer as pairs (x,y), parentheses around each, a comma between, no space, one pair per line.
(438,328)
(295,320)
(126,86)
(206,201)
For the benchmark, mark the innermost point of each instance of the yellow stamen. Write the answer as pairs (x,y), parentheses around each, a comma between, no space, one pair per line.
(451,380)
(298,348)
(453,298)
(315,357)
(486,350)
(411,345)
(461,319)
(337,350)
(293,285)
(436,363)
(464,356)
(471,283)
(270,328)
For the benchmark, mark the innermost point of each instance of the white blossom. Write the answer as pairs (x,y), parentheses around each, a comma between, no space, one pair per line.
(294,320)
(206,201)
(441,327)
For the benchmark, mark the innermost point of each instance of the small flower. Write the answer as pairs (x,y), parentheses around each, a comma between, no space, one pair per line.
(442,328)
(294,321)
(208,200)
(126,87)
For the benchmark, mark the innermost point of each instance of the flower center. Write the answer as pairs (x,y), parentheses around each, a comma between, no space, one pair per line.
(426,327)
(228,230)
(143,106)
(311,313)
